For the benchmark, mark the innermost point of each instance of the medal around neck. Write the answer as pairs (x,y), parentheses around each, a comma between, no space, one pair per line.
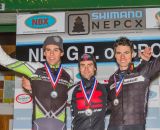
(53,80)
(118,89)
(88,112)
(88,98)
(116,102)
(54,94)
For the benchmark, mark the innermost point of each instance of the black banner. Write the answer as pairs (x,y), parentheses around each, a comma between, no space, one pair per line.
(103,51)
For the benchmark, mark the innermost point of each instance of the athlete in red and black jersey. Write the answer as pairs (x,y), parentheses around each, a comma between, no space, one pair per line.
(88,105)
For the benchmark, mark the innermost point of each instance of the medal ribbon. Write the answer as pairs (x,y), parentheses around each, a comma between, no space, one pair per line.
(53,80)
(119,85)
(93,88)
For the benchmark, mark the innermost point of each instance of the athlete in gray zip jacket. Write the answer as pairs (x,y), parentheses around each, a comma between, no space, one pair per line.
(129,89)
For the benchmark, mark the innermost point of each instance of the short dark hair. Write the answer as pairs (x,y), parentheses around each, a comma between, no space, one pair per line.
(124,41)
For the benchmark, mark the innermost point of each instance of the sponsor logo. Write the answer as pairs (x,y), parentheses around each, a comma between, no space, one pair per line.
(120,19)
(96,100)
(130,81)
(23,98)
(62,81)
(78,24)
(119,14)
(40,21)
(95,110)
(134,80)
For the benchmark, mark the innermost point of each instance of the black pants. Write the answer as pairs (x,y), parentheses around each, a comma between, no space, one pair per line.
(127,127)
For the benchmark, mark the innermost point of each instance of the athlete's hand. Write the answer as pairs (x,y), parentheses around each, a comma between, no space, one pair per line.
(146,54)
(26,83)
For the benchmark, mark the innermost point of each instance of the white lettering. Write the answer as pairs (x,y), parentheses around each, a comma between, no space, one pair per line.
(154,46)
(107,52)
(72,53)
(89,49)
(33,56)
(36,55)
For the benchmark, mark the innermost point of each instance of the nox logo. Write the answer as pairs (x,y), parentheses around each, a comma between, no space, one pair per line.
(78,24)
(40,21)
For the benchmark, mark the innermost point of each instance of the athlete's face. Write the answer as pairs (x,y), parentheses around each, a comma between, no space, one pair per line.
(123,55)
(53,54)
(87,69)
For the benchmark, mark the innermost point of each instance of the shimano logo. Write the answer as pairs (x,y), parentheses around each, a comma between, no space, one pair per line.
(118,19)
(117,15)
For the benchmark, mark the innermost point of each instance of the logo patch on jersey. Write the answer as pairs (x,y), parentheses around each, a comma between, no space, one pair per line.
(130,81)
(96,100)
(134,80)
(64,82)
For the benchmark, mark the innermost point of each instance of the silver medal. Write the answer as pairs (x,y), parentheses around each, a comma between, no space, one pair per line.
(88,112)
(54,94)
(116,102)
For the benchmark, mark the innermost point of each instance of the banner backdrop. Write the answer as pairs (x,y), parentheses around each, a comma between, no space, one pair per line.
(80,37)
